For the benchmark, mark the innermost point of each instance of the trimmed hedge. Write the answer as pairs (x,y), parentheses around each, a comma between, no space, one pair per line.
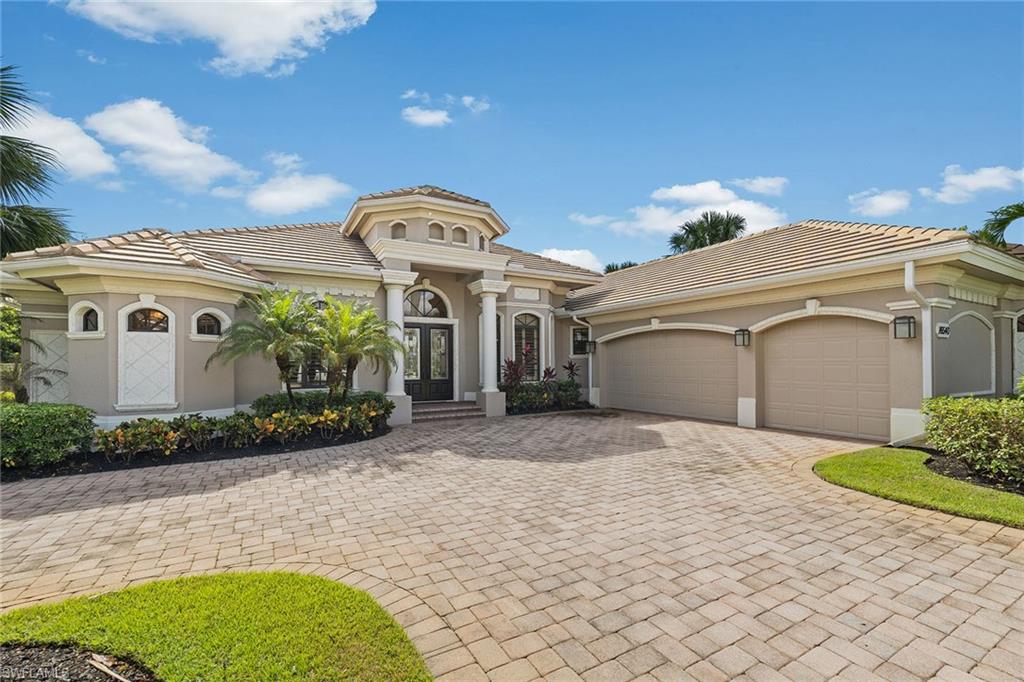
(314,402)
(987,435)
(36,434)
(544,396)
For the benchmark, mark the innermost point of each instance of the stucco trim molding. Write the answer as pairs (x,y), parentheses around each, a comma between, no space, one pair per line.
(813,308)
(74,316)
(225,322)
(992,352)
(657,325)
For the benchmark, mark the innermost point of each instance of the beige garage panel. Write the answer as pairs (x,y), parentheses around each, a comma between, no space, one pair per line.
(684,373)
(828,375)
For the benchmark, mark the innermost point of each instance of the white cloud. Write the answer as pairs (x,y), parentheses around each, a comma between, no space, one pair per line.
(413,93)
(877,203)
(295,192)
(161,143)
(583,258)
(285,163)
(80,154)
(90,57)
(590,220)
(959,186)
(663,220)
(228,192)
(251,37)
(707,192)
(477,105)
(773,185)
(111,185)
(426,118)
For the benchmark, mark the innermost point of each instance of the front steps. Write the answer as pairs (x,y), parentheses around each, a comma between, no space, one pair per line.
(441,411)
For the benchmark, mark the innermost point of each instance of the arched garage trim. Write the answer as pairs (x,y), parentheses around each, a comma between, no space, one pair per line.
(814,308)
(664,326)
(992,348)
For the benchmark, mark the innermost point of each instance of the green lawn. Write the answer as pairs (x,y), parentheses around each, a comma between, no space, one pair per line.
(236,626)
(901,475)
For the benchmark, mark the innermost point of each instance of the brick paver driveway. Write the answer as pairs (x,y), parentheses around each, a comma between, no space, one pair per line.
(606,547)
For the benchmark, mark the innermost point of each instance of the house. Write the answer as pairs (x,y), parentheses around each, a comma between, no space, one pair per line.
(828,327)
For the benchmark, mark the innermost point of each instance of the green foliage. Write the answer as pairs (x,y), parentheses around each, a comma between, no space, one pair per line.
(135,437)
(10,333)
(235,626)
(236,430)
(711,228)
(993,232)
(987,435)
(348,333)
(7,397)
(314,402)
(615,267)
(541,396)
(42,433)
(195,431)
(900,475)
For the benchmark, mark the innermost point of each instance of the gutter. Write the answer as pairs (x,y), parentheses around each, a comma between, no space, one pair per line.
(590,356)
(910,285)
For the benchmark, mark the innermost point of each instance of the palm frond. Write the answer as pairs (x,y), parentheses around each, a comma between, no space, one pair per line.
(23,228)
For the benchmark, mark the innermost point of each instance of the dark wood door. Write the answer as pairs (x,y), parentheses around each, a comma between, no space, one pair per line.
(428,362)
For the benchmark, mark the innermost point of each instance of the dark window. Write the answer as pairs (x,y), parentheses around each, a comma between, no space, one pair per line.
(147,320)
(424,303)
(312,373)
(1020,324)
(90,320)
(320,305)
(208,325)
(580,336)
(527,341)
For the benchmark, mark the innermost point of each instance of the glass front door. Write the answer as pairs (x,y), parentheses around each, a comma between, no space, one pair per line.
(428,362)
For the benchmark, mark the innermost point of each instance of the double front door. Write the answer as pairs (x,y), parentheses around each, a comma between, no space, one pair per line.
(428,362)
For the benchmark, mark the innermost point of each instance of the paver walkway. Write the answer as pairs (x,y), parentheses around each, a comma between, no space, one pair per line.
(604,547)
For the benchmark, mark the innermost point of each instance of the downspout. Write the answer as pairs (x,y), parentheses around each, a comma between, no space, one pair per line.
(590,357)
(909,284)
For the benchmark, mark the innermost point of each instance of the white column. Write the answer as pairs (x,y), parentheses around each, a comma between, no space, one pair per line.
(489,301)
(396,297)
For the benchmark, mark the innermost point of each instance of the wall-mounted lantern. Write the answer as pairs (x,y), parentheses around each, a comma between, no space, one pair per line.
(591,347)
(904,327)
(742,337)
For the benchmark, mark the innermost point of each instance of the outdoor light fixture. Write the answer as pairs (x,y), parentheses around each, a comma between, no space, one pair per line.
(904,327)
(743,337)
(591,347)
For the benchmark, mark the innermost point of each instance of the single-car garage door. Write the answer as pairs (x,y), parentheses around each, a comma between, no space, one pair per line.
(828,375)
(684,373)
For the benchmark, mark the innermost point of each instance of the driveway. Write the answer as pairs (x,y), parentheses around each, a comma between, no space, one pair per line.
(564,546)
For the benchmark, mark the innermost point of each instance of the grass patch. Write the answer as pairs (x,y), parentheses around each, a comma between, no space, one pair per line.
(901,475)
(235,626)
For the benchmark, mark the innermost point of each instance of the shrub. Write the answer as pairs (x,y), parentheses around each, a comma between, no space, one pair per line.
(7,397)
(36,434)
(543,396)
(134,437)
(236,430)
(312,402)
(987,435)
(194,431)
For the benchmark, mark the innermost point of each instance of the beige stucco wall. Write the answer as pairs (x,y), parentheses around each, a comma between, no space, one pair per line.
(964,361)
(417,230)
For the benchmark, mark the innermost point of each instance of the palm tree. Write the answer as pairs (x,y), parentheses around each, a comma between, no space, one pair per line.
(615,267)
(348,334)
(26,170)
(281,329)
(994,230)
(711,228)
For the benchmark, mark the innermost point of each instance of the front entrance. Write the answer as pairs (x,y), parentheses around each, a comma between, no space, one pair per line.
(428,362)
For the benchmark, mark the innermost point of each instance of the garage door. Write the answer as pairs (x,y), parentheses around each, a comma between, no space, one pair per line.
(828,375)
(685,373)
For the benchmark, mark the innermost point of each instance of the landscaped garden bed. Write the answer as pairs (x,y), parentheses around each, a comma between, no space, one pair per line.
(550,394)
(235,626)
(45,440)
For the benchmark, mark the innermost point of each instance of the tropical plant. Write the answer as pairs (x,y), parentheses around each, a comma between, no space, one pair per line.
(711,228)
(26,174)
(993,232)
(572,370)
(10,332)
(347,334)
(16,376)
(615,267)
(281,329)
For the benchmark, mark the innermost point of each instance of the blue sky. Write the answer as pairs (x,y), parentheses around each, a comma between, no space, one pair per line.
(588,126)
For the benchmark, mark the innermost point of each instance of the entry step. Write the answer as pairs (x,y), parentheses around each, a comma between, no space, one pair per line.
(439,411)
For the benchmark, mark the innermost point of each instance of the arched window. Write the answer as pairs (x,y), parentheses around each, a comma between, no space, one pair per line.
(424,303)
(90,320)
(460,235)
(398,231)
(320,304)
(147,320)
(435,232)
(483,243)
(527,345)
(207,325)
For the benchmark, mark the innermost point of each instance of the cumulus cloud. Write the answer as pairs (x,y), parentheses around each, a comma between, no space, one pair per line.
(477,105)
(286,163)
(295,192)
(773,185)
(960,186)
(583,258)
(164,145)
(707,192)
(426,118)
(250,37)
(877,203)
(590,220)
(79,153)
(662,220)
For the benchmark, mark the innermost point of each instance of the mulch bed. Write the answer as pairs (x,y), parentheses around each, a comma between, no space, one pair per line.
(951,467)
(91,462)
(47,662)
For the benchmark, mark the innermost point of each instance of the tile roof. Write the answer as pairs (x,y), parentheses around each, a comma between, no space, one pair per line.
(781,250)
(1016,250)
(318,243)
(427,191)
(535,261)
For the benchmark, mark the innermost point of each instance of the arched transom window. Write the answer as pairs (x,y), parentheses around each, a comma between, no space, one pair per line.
(147,320)
(527,345)
(424,303)
(90,320)
(208,325)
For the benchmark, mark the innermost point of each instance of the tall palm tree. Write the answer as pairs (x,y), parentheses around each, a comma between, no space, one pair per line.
(711,228)
(26,170)
(994,230)
(615,267)
(348,334)
(281,329)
